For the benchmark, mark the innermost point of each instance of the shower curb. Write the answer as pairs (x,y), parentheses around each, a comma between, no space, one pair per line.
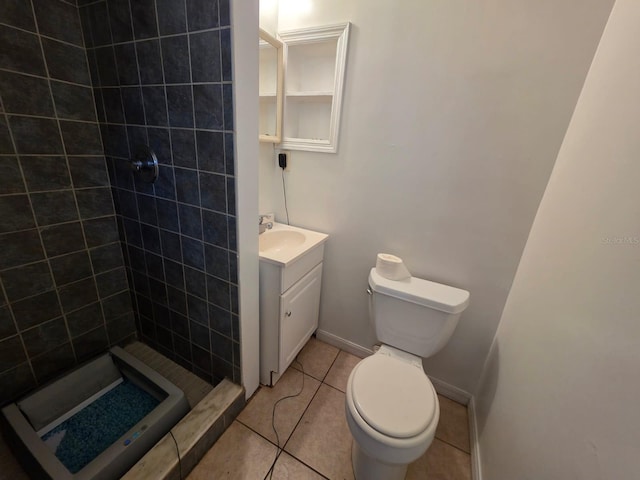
(194,434)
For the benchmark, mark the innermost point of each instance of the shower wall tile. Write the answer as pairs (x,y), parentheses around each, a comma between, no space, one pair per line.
(40,339)
(26,94)
(149,62)
(85,319)
(144,19)
(175,95)
(172,17)
(11,353)
(120,20)
(66,62)
(73,102)
(56,207)
(175,59)
(59,20)
(71,268)
(202,14)
(95,340)
(6,146)
(7,325)
(12,217)
(52,362)
(20,248)
(78,294)
(126,63)
(34,310)
(20,51)
(36,135)
(45,173)
(225,55)
(205,56)
(27,280)
(63,238)
(18,13)
(88,172)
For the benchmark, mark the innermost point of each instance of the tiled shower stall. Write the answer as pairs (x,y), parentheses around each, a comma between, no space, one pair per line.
(90,256)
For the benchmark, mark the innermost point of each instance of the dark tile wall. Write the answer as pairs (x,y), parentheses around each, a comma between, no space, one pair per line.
(161,72)
(63,288)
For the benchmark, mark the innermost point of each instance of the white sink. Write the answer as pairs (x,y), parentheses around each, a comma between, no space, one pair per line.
(279,240)
(283,244)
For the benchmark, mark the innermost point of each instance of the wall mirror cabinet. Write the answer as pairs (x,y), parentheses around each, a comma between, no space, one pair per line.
(271,88)
(314,70)
(315,65)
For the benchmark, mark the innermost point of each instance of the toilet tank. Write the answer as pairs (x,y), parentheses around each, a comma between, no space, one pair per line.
(415,315)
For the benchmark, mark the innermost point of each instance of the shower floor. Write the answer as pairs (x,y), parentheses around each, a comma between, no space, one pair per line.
(89,432)
(194,388)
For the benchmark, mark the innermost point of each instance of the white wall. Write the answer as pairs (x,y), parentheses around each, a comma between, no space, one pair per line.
(453,116)
(560,395)
(244,18)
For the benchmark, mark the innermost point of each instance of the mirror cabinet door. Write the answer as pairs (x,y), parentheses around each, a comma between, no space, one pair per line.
(271,88)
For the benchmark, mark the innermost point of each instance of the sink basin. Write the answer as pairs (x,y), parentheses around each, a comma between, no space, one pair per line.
(284,244)
(278,240)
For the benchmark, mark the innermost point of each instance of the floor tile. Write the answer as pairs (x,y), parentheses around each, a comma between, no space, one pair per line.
(322,439)
(453,426)
(239,454)
(316,358)
(288,468)
(257,414)
(441,462)
(340,370)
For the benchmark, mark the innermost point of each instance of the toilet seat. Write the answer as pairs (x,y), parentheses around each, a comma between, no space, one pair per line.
(393,397)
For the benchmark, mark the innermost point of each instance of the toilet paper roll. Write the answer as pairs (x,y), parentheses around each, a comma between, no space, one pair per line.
(391,267)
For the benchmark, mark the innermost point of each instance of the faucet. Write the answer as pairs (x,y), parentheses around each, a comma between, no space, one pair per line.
(262,225)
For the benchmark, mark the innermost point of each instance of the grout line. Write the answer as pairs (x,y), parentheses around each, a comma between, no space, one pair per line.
(452,445)
(54,257)
(37,32)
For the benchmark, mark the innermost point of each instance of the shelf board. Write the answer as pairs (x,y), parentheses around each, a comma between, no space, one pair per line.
(309,94)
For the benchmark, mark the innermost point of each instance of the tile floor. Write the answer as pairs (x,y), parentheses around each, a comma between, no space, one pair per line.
(314,439)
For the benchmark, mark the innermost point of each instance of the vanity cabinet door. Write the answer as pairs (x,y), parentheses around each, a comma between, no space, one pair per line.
(299,315)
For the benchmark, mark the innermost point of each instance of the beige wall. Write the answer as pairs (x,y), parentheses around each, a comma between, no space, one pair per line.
(559,397)
(452,119)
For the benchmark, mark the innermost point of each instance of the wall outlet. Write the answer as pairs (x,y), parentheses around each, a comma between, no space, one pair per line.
(283,160)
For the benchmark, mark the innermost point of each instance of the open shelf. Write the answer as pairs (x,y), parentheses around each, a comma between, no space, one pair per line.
(314,70)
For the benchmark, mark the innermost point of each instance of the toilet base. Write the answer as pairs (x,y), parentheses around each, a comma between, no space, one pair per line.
(367,468)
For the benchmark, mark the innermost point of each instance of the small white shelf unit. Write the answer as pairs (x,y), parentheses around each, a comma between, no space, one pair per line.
(314,62)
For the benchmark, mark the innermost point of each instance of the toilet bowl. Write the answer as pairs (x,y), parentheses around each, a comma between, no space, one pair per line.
(391,406)
(392,411)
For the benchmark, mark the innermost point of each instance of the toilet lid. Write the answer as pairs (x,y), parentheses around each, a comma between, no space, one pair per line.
(392,396)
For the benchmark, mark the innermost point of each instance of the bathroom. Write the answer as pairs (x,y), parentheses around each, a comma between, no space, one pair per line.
(443,160)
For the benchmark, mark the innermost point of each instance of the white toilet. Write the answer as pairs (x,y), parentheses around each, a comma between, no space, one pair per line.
(391,406)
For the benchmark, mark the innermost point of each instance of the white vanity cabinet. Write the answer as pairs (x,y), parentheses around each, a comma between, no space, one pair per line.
(289,306)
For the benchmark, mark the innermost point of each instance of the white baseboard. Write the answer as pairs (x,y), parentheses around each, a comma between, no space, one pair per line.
(458,395)
(453,393)
(476,470)
(342,344)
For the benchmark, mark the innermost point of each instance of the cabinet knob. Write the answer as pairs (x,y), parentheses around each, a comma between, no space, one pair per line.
(288,314)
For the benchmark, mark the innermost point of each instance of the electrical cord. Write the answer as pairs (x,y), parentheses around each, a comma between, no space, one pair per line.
(284,191)
(273,417)
(178,452)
